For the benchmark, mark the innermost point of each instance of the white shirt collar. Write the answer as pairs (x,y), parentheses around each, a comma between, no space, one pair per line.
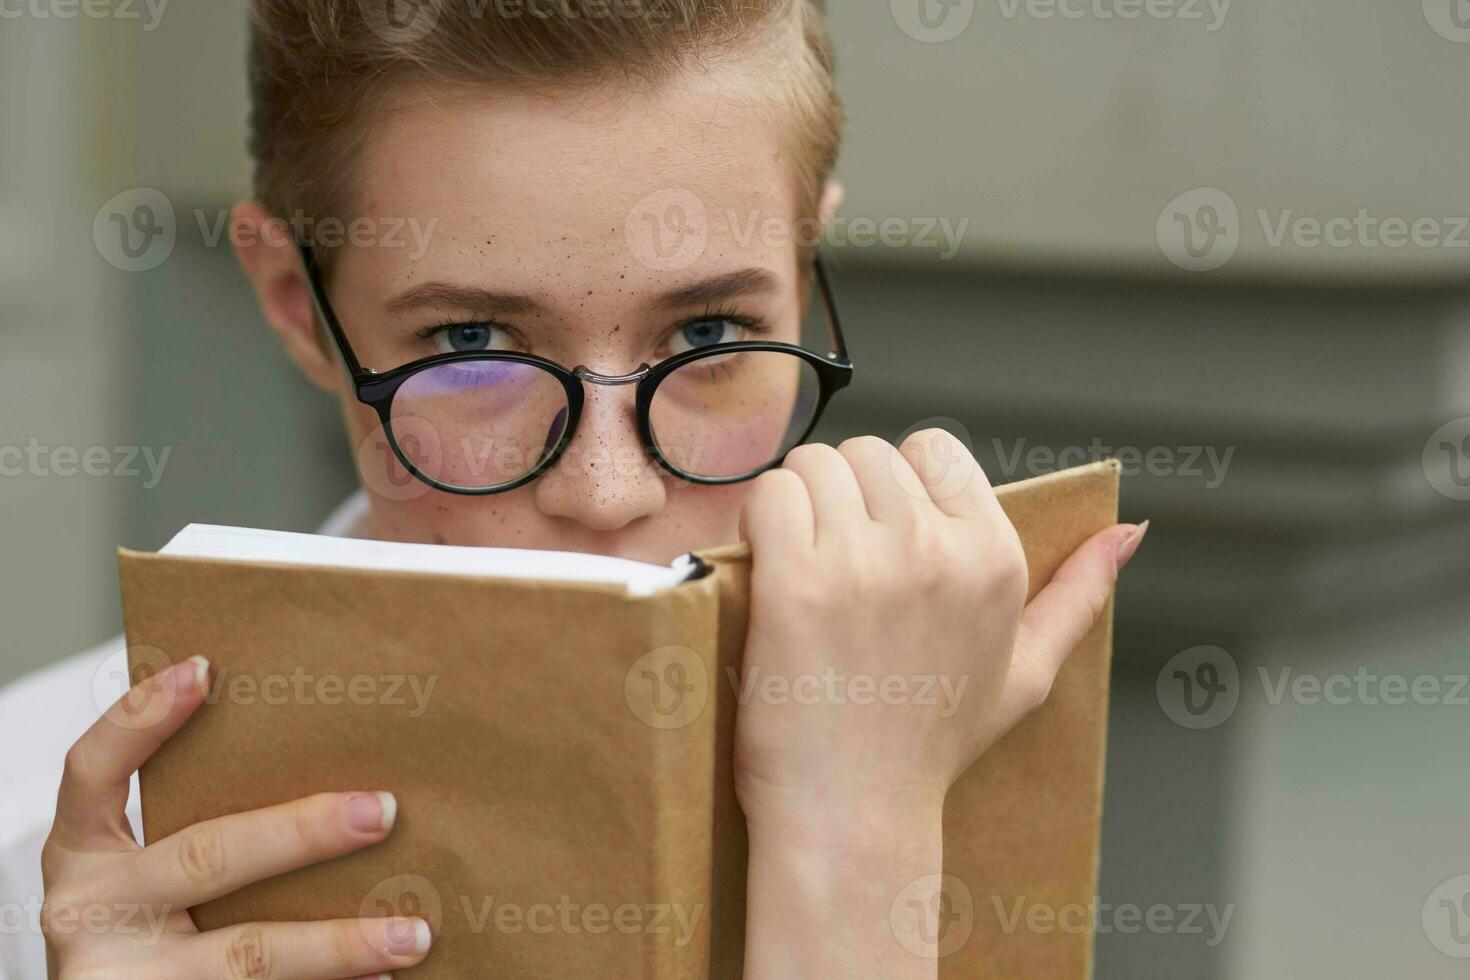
(350,518)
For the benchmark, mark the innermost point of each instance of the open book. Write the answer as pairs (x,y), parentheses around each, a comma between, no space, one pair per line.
(558,730)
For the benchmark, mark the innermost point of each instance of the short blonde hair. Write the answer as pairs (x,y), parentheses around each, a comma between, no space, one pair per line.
(319,67)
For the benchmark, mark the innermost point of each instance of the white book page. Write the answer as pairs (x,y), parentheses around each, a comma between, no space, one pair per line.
(285,547)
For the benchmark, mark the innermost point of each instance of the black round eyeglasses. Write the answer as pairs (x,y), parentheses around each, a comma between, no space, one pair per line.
(478,423)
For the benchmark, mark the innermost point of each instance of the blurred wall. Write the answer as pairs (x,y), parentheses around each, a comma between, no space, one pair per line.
(1062,128)
(65,324)
(1114,288)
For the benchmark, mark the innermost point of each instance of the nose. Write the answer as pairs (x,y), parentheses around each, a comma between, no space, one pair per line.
(605,479)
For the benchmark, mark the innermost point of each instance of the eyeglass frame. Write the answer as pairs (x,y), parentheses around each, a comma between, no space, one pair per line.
(378,389)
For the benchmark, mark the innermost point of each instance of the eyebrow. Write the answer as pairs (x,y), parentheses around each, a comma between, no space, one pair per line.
(442,295)
(740,283)
(430,295)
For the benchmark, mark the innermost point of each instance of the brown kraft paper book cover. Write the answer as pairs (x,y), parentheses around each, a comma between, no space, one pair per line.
(562,757)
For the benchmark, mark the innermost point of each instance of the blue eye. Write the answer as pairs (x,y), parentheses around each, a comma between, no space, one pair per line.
(468,336)
(457,338)
(705,333)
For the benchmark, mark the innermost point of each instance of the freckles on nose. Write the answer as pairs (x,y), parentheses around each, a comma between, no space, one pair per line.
(605,480)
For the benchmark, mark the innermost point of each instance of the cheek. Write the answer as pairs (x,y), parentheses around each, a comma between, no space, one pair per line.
(698,516)
(732,420)
(407,509)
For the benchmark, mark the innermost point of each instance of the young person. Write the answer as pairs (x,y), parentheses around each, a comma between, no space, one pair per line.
(533,138)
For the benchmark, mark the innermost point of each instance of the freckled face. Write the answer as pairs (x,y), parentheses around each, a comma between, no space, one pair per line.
(570,228)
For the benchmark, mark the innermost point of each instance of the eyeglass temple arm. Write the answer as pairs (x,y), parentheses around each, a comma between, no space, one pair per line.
(834,319)
(355,369)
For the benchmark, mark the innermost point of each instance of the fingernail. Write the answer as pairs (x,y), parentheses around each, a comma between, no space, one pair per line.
(1129,546)
(198,677)
(371,813)
(408,937)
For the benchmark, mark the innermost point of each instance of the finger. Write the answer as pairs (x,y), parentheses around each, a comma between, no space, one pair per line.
(954,481)
(837,500)
(221,856)
(1063,612)
(777,518)
(94,785)
(892,491)
(332,950)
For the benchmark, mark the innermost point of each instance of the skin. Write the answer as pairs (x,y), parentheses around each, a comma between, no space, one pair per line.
(843,801)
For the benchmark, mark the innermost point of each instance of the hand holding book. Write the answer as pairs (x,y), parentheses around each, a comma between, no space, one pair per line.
(878,566)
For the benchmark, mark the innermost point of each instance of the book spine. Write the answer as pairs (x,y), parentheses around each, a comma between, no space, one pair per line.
(680,677)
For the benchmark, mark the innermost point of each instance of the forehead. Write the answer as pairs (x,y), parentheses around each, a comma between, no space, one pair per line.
(582,177)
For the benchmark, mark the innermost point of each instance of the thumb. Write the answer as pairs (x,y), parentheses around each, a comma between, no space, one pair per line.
(1062,614)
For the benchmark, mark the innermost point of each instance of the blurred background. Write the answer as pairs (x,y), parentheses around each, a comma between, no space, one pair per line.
(1226,243)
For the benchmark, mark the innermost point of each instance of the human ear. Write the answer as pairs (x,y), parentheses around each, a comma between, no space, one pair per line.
(832,194)
(267,252)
